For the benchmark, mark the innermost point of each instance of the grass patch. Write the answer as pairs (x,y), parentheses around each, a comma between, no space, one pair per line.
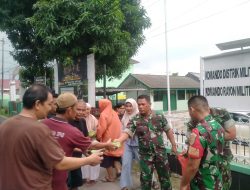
(4,112)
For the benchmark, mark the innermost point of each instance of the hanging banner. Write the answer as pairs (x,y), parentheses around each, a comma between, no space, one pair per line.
(74,74)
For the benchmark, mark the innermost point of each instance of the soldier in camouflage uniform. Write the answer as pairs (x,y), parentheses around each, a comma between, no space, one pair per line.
(224,119)
(206,143)
(149,128)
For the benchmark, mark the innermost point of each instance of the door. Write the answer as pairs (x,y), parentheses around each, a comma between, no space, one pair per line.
(172,100)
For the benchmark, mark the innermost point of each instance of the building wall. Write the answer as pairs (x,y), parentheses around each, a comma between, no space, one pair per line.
(157,105)
(135,94)
(182,105)
(116,81)
(154,105)
(182,96)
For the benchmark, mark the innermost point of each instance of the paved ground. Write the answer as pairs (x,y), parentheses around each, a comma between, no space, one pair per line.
(2,119)
(115,185)
(110,185)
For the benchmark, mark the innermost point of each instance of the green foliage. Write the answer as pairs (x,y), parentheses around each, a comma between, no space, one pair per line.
(27,74)
(68,61)
(60,29)
(4,112)
(29,50)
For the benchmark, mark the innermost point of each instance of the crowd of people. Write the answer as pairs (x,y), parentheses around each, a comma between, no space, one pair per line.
(55,143)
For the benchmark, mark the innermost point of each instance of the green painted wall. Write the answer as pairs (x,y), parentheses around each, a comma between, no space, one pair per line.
(116,81)
(182,105)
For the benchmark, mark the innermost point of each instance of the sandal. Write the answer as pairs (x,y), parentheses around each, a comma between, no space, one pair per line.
(124,188)
(90,182)
(106,179)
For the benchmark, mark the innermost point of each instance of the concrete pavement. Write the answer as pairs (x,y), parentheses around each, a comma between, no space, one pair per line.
(175,180)
(111,185)
(2,118)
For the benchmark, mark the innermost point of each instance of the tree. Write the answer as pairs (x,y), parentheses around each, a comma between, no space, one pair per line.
(28,49)
(61,29)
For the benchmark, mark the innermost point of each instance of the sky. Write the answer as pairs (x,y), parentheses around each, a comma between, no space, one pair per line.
(9,63)
(193,29)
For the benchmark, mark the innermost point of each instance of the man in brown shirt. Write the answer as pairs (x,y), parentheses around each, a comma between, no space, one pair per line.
(28,151)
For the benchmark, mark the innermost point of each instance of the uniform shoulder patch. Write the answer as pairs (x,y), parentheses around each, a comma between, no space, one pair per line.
(194,152)
(192,138)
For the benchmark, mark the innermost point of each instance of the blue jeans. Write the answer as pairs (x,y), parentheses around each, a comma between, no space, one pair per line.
(130,153)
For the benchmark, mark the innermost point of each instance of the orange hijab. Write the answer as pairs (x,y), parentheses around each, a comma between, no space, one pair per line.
(109,126)
(106,109)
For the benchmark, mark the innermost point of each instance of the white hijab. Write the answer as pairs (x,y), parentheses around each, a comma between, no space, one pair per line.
(126,117)
(91,121)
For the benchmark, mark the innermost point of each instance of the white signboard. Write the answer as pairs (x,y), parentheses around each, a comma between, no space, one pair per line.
(40,80)
(227,80)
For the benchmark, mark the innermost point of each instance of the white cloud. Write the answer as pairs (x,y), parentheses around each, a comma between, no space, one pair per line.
(195,27)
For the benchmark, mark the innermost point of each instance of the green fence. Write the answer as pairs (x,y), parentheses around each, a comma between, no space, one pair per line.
(15,107)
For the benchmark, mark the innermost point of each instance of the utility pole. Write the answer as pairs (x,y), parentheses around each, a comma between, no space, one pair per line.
(104,82)
(2,71)
(166,54)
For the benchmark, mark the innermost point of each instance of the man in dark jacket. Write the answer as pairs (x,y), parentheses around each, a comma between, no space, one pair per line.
(75,176)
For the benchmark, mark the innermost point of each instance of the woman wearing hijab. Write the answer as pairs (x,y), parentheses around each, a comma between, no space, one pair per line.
(90,119)
(90,173)
(131,146)
(109,127)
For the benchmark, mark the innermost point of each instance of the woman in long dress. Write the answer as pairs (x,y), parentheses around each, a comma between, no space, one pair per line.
(90,173)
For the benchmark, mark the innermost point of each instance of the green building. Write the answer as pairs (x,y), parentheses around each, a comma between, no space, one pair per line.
(113,92)
(181,89)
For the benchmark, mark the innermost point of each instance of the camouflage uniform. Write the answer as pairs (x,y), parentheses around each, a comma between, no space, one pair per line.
(224,119)
(206,142)
(152,151)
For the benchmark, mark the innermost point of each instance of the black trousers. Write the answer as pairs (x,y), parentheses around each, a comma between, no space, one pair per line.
(75,176)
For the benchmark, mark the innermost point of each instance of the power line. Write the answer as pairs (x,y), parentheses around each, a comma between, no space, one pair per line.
(151,4)
(209,16)
(189,10)
(154,29)
(181,15)
(198,20)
